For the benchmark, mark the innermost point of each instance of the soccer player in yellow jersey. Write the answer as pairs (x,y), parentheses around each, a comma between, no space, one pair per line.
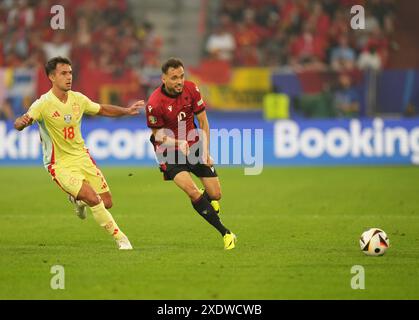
(59,113)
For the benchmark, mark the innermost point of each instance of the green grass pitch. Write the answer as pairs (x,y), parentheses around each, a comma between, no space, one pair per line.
(298,231)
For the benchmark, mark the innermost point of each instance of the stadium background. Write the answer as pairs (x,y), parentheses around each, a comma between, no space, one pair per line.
(324,94)
(256,62)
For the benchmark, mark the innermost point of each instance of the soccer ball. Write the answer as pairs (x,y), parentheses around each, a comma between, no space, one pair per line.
(374,242)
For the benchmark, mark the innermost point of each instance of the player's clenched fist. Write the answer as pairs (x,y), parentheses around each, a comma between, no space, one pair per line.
(23,122)
(208,161)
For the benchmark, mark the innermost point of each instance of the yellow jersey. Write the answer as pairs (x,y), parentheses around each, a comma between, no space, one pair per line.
(59,126)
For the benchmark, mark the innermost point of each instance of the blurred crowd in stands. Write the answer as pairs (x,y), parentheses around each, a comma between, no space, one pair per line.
(107,45)
(99,34)
(101,38)
(301,34)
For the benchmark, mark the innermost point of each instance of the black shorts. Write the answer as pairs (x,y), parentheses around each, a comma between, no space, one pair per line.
(170,170)
(200,170)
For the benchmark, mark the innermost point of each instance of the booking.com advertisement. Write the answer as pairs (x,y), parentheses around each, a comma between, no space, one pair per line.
(251,144)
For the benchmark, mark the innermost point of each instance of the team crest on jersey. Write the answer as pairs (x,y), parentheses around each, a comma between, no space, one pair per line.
(152,119)
(170,108)
(76,110)
(67,118)
(150,108)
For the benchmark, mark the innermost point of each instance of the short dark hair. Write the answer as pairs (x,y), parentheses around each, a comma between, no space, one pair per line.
(171,63)
(51,65)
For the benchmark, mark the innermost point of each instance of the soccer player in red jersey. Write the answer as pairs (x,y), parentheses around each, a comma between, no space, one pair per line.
(180,148)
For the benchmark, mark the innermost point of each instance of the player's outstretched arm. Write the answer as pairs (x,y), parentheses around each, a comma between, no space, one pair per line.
(23,122)
(108,110)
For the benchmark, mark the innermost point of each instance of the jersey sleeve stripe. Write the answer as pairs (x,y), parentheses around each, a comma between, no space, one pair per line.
(91,159)
(52,162)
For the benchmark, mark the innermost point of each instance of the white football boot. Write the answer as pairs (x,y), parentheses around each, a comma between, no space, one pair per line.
(79,207)
(124,244)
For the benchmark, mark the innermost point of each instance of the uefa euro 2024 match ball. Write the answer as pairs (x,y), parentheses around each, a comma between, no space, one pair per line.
(374,242)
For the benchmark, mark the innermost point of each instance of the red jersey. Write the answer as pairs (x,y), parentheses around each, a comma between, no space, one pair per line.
(175,112)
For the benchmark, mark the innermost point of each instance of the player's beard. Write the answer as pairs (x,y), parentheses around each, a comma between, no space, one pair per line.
(177,89)
(66,87)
